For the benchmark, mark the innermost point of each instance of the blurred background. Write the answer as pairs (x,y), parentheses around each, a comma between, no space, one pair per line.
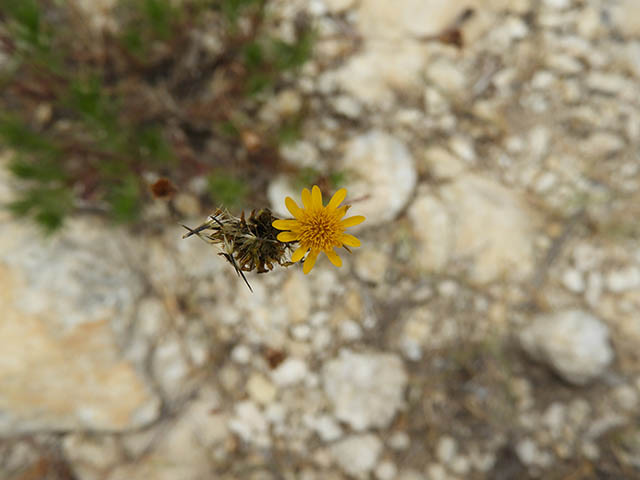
(488,327)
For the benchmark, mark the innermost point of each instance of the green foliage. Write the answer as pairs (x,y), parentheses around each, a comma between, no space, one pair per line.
(153,147)
(232,9)
(47,205)
(27,22)
(15,134)
(108,120)
(124,199)
(227,190)
(337,178)
(160,15)
(290,56)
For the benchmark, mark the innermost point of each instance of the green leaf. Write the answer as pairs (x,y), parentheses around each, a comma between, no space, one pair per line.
(160,15)
(227,190)
(152,145)
(15,134)
(40,169)
(253,56)
(124,199)
(47,206)
(288,56)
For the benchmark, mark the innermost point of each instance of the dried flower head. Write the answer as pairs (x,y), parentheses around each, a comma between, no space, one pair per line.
(247,244)
(318,228)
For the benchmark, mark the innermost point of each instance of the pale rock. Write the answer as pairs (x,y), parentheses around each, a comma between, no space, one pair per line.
(365,389)
(187,204)
(542,80)
(434,230)
(590,450)
(380,18)
(301,331)
(383,173)
(463,147)
(573,280)
(626,398)
(602,144)
(446,77)
(180,447)
(250,424)
(386,470)
(288,102)
(554,418)
(170,366)
(442,164)
(460,465)
(347,106)
(241,354)
(301,154)
(558,4)
(573,342)
(277,191)
(412,474)
(357,455)
(632,54)
(381,68)
(625,15)
(623,280)
(545,182)
(98,14)
(578,411)
(371,264)
(564,64)
(317,8)
(528,452)
(605,82)
(297,296)
(436,471)
(379,71)
(446,449)
(399,440)
(434,102)
(350,330)
(326,427)
(291,371)
(82,275)
(474,217)
(595,284)
(589,24)
(91,456)
(261,390)
(482,462)
(338,6)
(65,373)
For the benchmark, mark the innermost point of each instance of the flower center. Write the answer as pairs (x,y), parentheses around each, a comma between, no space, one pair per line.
(320,231)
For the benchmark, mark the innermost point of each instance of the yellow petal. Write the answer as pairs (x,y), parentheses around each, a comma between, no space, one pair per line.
(309,262)
(287,237)
(298,254)
(337,198)
(351,221)
(285,224)
(293,207)
(316,197)
(306,198)
(347,239)
(342,211)
(334,258)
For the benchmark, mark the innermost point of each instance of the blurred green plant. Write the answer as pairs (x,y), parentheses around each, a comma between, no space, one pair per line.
(227,190)
(88,116)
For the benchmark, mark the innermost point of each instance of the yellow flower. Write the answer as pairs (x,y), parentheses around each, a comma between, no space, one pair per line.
(318,228)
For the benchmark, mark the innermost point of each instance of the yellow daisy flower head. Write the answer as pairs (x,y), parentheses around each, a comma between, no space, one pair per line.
(318,228)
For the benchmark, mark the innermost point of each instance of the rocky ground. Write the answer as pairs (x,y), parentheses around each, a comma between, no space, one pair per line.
(489,326)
